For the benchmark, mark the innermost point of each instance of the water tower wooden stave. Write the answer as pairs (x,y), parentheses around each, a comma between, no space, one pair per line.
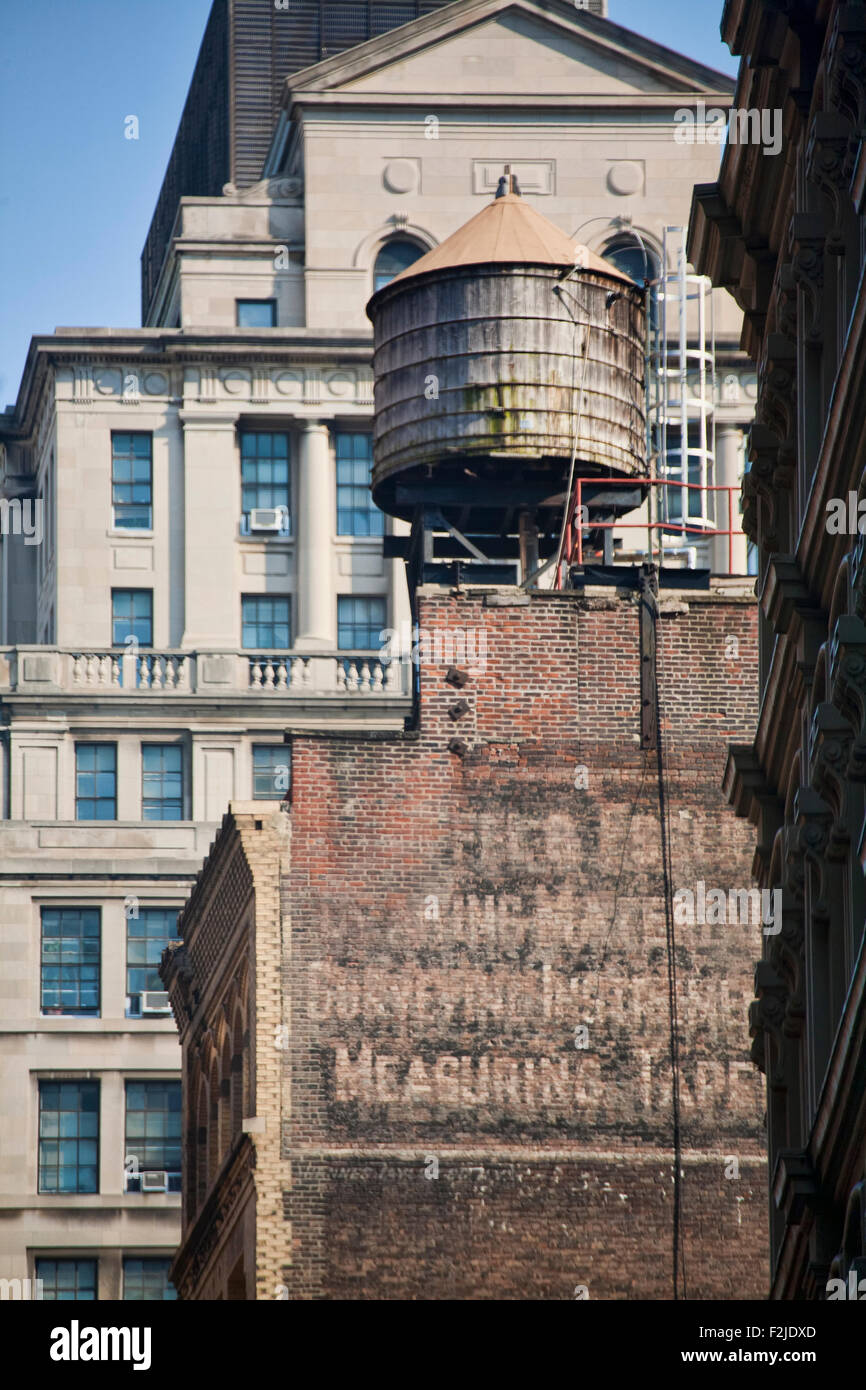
(505,360)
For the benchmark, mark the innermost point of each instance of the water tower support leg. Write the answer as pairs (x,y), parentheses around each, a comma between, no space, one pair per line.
(528,541)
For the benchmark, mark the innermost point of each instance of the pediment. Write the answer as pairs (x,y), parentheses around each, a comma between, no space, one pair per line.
(513,47)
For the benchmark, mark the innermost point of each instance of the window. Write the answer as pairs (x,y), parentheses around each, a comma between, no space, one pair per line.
(357,514)
(70,961)
(636,260)
(132,616)
(66,1281)
(257,313)
(161,781)
(132,481)
(146,1281)
(147,936)
(95,781)
(69,1136)
(359,623)
(394,256)
(153,1122)
(270,771)
(265,475)
(265,623)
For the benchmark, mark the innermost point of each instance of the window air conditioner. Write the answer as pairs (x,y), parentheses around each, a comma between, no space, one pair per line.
(267,518)
(153,1181)
(155,1001)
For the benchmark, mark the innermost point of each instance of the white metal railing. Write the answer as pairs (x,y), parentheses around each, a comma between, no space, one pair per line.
(114,671)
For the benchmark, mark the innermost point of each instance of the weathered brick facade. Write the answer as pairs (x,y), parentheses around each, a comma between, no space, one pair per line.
(425,1017)
(452,915)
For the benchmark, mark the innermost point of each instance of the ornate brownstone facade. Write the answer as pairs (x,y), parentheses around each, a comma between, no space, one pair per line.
(786,236)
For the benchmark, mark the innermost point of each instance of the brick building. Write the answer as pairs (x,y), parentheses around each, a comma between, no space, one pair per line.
(424,1011)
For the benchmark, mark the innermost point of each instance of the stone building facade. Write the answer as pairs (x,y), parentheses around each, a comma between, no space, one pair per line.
(786,237)
(455,1081)
(158,638)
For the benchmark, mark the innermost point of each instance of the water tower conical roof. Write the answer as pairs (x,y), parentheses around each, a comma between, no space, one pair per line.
(510,231)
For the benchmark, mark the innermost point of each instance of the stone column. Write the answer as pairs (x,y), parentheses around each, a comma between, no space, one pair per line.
(729,460)
(112,1133)
(401,617)
(314,528)
(212,507)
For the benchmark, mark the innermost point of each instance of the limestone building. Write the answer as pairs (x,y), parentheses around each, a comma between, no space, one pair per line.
(785,236)
(210,565)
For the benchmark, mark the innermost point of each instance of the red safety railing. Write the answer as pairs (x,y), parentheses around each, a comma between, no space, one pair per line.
(572,549)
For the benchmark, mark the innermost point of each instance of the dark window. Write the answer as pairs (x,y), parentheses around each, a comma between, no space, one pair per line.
(67,1281)
(147,1281)
(394,256)
(357,515)
(70,960)
(153,1124)
(69,1136)
(359,623)
(265,475)
(257,313)
(265,623)
(641,265)
(147,936)
(132,616)
(132,481)
(95,781)
(270,772)
(161,781)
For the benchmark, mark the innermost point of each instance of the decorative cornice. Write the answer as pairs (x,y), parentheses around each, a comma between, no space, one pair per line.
(846,662)
(745,780)
(806,242)
(795,1184)
(845,64)
(831,150)
(786,594)
(766,1019)
(777,385)
(200,1240)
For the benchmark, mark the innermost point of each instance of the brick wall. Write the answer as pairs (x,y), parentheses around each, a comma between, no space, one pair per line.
(456,916)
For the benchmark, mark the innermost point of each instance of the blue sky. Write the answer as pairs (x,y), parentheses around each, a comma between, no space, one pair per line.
(77,196)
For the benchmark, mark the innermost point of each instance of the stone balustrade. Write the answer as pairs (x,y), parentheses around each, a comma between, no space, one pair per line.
(48,670)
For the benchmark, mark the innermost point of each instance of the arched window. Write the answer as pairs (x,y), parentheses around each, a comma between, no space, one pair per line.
(394,256)
(638,261)
(237,1068)
(201,1148)
(225,1099)
(213,1130)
